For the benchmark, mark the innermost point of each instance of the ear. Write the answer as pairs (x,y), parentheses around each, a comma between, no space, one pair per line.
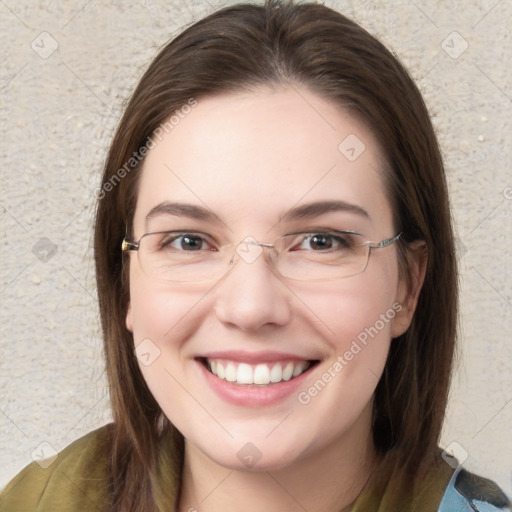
(409,286)
(129,317)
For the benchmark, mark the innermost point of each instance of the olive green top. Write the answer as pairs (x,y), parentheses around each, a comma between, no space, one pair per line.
(76,481)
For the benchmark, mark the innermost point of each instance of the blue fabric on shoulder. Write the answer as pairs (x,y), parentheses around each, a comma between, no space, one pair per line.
(467,492)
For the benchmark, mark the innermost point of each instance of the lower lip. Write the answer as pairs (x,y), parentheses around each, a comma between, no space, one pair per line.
(252,395)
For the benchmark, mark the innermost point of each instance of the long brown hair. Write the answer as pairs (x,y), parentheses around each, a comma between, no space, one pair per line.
(239,48)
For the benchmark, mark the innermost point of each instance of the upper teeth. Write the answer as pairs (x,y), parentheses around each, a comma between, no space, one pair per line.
(243,373)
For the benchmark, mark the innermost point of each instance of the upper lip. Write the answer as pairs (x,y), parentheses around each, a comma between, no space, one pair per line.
(242,356)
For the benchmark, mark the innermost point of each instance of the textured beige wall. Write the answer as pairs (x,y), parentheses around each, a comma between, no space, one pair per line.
(68,67)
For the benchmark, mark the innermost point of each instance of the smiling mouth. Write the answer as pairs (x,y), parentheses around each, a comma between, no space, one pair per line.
(262,374)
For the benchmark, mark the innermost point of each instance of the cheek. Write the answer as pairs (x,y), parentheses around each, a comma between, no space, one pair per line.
(157,311)
(357,325)
(163,322)
(361,308)
(361,341)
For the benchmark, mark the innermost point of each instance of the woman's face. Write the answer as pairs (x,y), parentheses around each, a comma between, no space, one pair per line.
(261,165)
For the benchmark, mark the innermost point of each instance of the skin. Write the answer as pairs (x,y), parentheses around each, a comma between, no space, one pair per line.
(250,158)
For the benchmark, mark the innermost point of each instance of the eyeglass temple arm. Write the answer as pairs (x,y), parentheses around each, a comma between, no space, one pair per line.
(129,246)
(386,242)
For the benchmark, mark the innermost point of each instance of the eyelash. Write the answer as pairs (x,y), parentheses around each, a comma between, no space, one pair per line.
(343,241)
(167,241)
(342,238)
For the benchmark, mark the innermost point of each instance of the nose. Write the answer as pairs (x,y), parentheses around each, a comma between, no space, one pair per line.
(251,296)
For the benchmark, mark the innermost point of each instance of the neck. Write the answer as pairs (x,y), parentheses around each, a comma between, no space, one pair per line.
(327,481)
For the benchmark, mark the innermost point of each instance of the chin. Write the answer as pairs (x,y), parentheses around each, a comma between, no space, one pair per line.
(260,455)
(251,459)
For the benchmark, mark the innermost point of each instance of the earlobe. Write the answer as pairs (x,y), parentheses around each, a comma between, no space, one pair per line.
(129,317)
(409,287)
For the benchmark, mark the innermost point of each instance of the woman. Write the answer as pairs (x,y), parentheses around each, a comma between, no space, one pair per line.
(277,284)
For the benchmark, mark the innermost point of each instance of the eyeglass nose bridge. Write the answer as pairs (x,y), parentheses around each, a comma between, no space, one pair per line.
(249,240)
(250,249)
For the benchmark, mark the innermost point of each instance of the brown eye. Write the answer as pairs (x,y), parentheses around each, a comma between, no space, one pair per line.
(323,242)
(185,242)
(191,242)
(320,242)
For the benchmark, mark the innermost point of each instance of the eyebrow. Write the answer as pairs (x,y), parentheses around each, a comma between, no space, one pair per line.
(305,211)
(183,210)
(309,210)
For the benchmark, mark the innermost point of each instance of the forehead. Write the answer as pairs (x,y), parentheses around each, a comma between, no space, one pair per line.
(250,157)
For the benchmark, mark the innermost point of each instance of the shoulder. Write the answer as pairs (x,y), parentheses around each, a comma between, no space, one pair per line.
(75,480)
(473,493)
